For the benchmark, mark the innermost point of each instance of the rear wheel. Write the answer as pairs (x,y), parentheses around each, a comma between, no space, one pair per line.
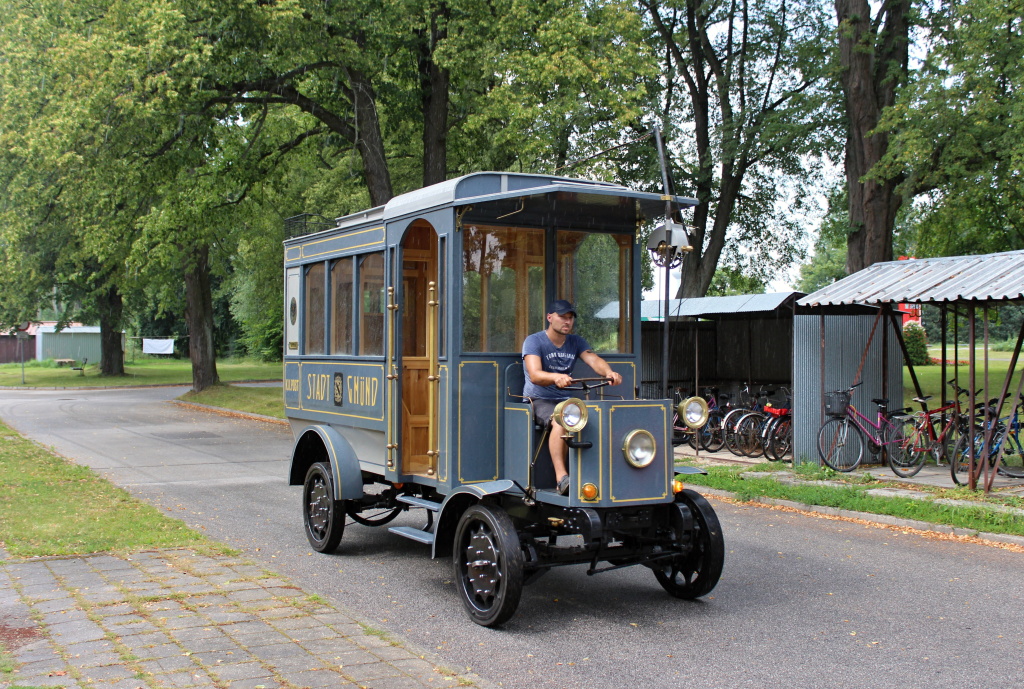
(711,437)
(694,574)
(324,517)
(907,447)
(729,430)
(1013,456)
(748,432)
(840,446)
(488,563)
(780,441)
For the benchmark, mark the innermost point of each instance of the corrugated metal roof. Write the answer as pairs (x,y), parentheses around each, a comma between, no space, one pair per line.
(654,310)
(986,278)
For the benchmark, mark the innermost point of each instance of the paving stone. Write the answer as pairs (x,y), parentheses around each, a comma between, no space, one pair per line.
(240,671)
(182,680)
(107,673)
(170,663)
(370,671)
(315,679)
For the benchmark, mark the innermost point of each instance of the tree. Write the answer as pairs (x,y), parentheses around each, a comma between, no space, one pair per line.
(747,97)
(873,56)
(954,131)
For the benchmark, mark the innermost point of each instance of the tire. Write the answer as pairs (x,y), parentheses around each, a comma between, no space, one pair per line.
(781,439)
(1012,464)
(729,430)
(696,572)
(711,438)
(840,445)
(960,461)
(488,565)
(908,447)
(748,430)
(322,515)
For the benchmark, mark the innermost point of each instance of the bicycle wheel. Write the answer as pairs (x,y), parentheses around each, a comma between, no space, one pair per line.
(712,438)
(840,445)
(748,430)
(729,430)
(1012,464)
(906,446)
(960,461)
(781,440)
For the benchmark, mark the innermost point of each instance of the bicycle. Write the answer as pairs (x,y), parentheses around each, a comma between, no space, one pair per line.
(754,429)
(1005,437)
(730,423)
(841,438)
(927,434)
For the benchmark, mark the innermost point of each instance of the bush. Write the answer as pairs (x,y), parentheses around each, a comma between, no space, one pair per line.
(917,344)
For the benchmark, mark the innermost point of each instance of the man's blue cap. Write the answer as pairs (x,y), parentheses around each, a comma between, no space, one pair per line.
(561,307)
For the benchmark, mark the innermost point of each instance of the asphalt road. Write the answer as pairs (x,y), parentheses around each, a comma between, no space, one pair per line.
(803,601)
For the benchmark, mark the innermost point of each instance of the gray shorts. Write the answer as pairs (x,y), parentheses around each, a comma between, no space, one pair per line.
(542,409)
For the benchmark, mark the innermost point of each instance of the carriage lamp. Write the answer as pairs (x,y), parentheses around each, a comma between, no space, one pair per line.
(693,411)
(589,491)
(639,448)
(677,485)
(570,414)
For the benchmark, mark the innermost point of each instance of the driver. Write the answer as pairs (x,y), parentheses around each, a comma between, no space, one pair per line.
(549,357)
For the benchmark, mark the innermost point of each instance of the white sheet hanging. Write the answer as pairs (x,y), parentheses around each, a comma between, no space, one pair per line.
(152,346)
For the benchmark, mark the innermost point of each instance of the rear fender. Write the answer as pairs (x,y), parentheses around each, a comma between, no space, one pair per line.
(457,502)
(324,444)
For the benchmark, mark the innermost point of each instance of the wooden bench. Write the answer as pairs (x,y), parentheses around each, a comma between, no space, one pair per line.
(80,369)
(64,362)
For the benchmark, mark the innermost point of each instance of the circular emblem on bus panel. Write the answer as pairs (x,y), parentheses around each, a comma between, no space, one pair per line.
(293,311)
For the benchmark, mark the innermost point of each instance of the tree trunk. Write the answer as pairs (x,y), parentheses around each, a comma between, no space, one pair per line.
(434,86)
(199,319)
(369,141)
(111,308)
(873,67)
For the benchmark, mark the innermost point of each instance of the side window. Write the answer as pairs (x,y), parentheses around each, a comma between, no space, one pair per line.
(314,309)
(342,289)
(371,304)
(502,287)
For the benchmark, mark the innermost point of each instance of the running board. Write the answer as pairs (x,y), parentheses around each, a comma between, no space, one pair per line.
(417,535)
(414,501)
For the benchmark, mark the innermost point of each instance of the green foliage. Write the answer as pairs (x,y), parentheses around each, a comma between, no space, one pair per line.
(749,105)
(954,131)
(729,281)
(916,339)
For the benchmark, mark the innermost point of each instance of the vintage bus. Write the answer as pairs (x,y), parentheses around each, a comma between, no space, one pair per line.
(403,382)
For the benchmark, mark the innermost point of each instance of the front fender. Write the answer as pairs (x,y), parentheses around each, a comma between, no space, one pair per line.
(457,502)
(323,443)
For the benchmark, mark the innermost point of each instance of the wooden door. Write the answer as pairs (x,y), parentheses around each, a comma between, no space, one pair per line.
(418,313)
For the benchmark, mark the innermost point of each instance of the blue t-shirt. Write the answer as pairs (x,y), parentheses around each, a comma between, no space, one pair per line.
(553,360)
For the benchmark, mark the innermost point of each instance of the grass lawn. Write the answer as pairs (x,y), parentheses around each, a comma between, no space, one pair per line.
(852,495)
(50,506)
(266,401)
(142,372)
(929,376)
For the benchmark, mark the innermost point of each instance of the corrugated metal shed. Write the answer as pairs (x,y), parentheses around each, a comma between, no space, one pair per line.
(707,307)
(987,278)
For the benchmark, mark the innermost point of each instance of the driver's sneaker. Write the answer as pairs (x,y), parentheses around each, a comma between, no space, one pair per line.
(563,485)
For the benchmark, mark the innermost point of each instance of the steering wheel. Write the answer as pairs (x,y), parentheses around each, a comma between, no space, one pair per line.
(587,384)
